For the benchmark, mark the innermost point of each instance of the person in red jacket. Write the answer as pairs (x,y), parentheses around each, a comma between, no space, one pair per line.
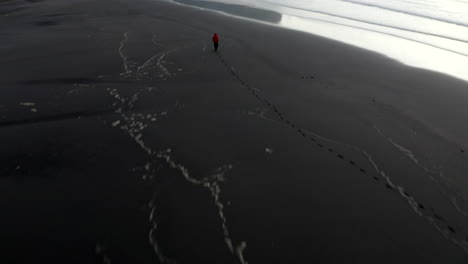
(215,41)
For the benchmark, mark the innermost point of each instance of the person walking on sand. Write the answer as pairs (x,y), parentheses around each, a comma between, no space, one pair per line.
(215,41)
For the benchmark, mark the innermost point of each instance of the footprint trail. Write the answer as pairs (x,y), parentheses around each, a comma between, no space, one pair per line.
(321,142)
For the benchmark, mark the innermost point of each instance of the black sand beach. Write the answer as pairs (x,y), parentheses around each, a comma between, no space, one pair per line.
(126,139)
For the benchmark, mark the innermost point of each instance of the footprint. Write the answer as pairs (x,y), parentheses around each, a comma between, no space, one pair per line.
(438,217)
(340,156)
(376,178)
(331,150)
(352,162)
(421,206)
(319,145)
(362,170)
(388,186)
(451,229)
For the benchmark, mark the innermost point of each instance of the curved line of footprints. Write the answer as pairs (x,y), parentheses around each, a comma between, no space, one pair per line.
(432,216)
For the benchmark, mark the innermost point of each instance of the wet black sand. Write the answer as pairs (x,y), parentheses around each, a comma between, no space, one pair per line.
(125,139)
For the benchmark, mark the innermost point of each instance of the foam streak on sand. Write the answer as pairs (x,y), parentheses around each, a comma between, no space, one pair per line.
(437,177)
(135,71)
(431,217)
(134,124)
(134,128)
(212,183)
(122,53)
(148,63)
(152,233)
(160,63)
(406,151)
(438,223)
(411,201)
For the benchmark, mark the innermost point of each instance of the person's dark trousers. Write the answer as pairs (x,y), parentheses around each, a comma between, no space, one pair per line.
(216,46)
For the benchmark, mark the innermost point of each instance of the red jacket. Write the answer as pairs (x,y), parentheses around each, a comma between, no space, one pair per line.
(215,38)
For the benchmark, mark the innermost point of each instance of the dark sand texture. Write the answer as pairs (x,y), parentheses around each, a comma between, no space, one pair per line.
(126,139)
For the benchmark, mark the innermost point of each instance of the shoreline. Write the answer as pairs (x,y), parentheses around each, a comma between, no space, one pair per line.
(303,23)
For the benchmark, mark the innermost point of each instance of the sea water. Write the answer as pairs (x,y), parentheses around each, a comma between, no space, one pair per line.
(429,34)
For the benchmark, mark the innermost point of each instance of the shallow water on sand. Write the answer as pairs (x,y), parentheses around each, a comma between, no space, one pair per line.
(424,34)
